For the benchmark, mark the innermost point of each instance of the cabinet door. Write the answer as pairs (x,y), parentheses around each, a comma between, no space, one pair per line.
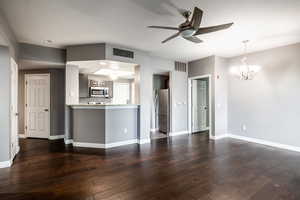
(109,85)
(83,85)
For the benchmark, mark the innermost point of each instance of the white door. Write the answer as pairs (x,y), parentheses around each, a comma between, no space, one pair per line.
(121,93)
(199,105)
(14,109)
(37,105)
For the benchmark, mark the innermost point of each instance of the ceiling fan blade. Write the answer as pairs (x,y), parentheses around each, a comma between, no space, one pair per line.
(197,18)
(164,27)
(193,39)
(210,29)
(171,37)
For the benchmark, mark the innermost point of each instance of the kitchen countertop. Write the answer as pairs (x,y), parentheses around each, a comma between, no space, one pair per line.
(104,106)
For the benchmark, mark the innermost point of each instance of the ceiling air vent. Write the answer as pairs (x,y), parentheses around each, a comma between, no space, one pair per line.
(123,53)
(180,67)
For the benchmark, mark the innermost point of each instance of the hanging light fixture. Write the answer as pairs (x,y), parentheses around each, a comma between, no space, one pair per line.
(245,71)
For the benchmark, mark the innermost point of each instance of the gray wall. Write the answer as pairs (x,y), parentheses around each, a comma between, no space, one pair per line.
(205,66)
(179,93)
(269,104)
(8,37)
(217,67)
(86,52)
(34,56)
(99,125)
(4,104)
(88,125)
(57,99)
(221,96)
(10,50)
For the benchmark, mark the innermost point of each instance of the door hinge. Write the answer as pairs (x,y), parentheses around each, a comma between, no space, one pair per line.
(26,127)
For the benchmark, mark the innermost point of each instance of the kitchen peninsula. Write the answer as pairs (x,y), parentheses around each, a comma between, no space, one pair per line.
(104,126)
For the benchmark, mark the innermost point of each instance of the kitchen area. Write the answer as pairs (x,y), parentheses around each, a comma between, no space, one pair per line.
(102,104)
(109,96)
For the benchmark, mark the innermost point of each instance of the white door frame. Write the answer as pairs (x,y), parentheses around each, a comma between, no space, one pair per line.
(190,101)
(25,101)
(14,113)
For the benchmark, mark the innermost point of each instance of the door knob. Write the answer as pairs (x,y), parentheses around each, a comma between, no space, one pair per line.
(46,110)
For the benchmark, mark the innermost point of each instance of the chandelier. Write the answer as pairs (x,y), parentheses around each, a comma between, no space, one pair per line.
(245,71)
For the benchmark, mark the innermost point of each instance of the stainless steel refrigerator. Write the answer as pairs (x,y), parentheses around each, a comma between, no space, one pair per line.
(164,110)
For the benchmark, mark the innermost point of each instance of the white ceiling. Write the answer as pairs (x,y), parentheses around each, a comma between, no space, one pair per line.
(267,24)
(90,67)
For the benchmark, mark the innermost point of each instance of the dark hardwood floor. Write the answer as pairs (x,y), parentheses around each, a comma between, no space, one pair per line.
(183,167)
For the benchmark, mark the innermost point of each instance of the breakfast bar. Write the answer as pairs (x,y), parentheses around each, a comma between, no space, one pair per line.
(104,126)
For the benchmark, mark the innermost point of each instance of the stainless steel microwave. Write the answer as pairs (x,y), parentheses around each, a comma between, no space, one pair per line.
(99,92)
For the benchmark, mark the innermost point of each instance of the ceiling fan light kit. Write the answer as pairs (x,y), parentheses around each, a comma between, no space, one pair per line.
(191,27)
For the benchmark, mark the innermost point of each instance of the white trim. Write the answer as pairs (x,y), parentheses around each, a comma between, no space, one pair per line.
(154,130)
(22,136)
(88,145)
(144,141)
(218,137)
(190,101)
(26,76)
(68,141)
(178,133)
(56,137)
(264,142)
(117,144)
(5,164)
(104,146)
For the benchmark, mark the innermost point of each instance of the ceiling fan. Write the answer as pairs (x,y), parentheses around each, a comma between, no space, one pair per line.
(191,28)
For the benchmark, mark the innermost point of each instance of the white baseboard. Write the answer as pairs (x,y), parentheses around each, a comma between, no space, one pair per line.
(264,142)
(68,141)
(178,133)
(117,144)
(144,141)
(22,136)
(104,146)
(5,164)
(218,137)
(88,145)
(56,137)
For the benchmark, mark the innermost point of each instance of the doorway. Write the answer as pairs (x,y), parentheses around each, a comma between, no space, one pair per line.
(199,104)
(160,126)
(37,105)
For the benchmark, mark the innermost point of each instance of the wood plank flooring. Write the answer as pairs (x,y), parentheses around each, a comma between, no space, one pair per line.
(183,167)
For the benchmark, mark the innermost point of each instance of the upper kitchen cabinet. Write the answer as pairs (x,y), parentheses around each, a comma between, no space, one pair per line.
(83,86)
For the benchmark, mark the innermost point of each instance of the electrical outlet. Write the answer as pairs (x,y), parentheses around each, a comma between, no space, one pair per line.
(244,128)
(125,130)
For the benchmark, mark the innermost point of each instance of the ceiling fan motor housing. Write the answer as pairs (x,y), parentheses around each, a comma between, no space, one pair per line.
(188,33)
